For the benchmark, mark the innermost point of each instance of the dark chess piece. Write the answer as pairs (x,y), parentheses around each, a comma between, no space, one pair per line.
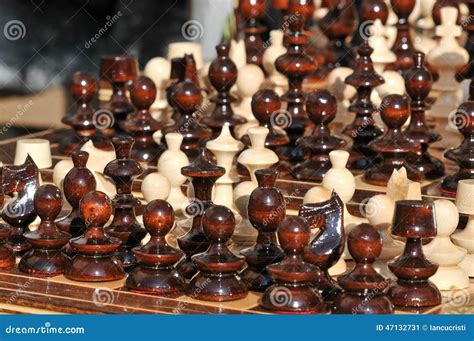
(94,260)
(368,12)
(337,25)
(413,220)
(187,100)
(203,174)
(363,286)
(393,146)
(321,107)
(266,107)
(218,278)
(45,259)
(223,75)
(252,12)
(303,8)
(293,291)
(156,273)
(7,258)
(328,245)
(124,226)
(464,154)
(295,64)
(83,88)
(20,213)
(418,84)
(78,182)
(118,71)
(266,209)
(403,45)
(363,129)
(140,124)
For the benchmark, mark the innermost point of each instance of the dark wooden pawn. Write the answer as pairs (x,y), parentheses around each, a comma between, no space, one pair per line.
(418,84)
(118,71)
(7,258)
(20,213)
(203,174)
(368,12)
(124,226)
(218,278)
(363,129)
(252,12)
(393,146)
(321,107)
(328,245)
(223,75)
(155,273)
(187,100)
(95,259)
(46,259)
(403,45)
(266,209)
(413,220)
(295,64)
(140,124)
(78,182)
(293,291)
(363,287)
(464,154)
(83,88)
(266,107)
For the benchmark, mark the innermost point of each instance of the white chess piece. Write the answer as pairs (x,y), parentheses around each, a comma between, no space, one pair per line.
(272,52)
(342,91)
(424,42)
(447,57)
(169,165)
(155,186)
(465,238)
(254,158)
(382,55)
(180,48)
(390,25)
(225,147)
(237,53)
(441,250)
(249,80)
(316,195)
(96,163)
(158,69)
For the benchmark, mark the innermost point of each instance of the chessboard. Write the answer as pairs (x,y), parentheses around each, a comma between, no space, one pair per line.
(23,294)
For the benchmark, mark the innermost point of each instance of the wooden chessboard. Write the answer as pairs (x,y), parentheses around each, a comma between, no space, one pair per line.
(22,294)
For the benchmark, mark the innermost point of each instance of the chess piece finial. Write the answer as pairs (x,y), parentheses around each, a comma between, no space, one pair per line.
(403,45)
(370,11)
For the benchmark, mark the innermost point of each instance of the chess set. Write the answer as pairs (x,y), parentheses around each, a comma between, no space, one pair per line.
(297,175)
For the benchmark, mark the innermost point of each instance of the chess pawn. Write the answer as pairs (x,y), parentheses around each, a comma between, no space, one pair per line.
(249,80)
(465,238)
(447,58)
(382,55)
(424,41)
(379,211)
(237,53)
(95,260)
(155,186)
(158,70)
(363,286)
(441,250)
(169,165)
(45,259)
(96,163)
(7,258)
(266,209)
(223,75)
(252,11)
(343,92)
(124,225)
(218,278)
(393,146)
(155,273)
(225,147)
(413,220)
(293,291)
(78,182)
(275,50)
(321,107)
(369,11)
(140,124)
(403,45)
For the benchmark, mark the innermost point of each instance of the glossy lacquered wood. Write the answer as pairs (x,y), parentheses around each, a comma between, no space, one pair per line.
(252,12)
(7,258)
(403,45)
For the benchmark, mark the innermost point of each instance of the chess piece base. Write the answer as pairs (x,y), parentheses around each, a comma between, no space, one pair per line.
(43,263)
(352,303)
(414,294)
(85,268)
(293,298)
(221,287)
(156,281)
